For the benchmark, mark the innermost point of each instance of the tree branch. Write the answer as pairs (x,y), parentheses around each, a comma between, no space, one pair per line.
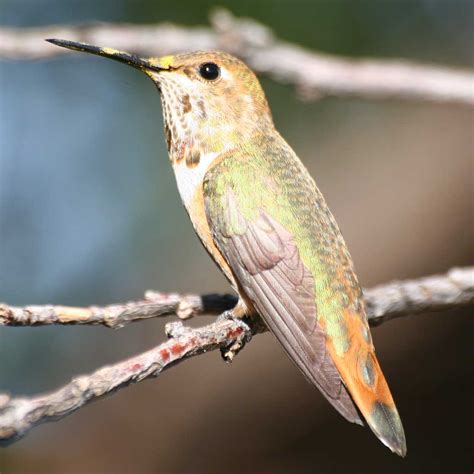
(18,415)
(399,298)
(118,315)
(314,74)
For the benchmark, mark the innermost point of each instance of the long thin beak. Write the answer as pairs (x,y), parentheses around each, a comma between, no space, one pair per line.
(130,59)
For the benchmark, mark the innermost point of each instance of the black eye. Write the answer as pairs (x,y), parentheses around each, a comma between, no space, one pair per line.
(209,71)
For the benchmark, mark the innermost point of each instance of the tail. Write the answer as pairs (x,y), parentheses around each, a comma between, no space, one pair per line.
(378,407)
(363,377)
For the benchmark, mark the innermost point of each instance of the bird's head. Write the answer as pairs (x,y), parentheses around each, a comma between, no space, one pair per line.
(211,99)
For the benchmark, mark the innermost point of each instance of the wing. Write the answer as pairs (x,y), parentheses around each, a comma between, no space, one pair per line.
(268,266)
(280,240)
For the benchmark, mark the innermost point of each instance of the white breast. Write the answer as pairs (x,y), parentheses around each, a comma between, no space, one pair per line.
(190,178)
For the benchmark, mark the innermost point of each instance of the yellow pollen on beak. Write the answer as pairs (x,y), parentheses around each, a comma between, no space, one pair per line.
(164,62)
(111,51)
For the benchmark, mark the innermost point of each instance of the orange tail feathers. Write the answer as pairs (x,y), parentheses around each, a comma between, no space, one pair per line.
(363,377)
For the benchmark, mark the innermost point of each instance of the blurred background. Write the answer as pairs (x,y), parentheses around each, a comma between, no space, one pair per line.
(90,214)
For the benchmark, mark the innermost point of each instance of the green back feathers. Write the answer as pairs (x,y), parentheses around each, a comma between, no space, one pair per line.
(271,177)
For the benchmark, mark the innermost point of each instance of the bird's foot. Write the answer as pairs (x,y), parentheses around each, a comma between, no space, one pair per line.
(229,351)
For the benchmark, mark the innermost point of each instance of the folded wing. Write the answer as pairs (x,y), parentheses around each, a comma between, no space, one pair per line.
(267,264)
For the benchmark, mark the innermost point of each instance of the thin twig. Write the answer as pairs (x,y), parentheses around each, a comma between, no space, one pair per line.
(18,415)
(153,305)
(314,74)
(451,290)
(399,298)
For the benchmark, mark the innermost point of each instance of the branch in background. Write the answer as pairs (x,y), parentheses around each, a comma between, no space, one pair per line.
(18,415)
(314,74)
(400,298)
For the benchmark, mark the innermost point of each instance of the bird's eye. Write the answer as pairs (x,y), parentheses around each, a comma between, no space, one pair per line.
(209,71)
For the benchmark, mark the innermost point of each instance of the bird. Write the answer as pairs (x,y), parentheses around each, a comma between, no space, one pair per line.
(263,220)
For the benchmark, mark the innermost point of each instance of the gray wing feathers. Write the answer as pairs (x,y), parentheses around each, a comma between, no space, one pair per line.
(267,263)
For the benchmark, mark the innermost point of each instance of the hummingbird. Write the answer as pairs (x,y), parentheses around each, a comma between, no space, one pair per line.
(263,220)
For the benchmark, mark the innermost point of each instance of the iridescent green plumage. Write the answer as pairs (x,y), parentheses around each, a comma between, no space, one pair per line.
(268,175)
(274,228)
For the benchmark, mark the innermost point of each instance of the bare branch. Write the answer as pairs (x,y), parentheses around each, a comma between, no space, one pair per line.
(400,298)
(18,415)
(118,315)
(314,74)
(454,289)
